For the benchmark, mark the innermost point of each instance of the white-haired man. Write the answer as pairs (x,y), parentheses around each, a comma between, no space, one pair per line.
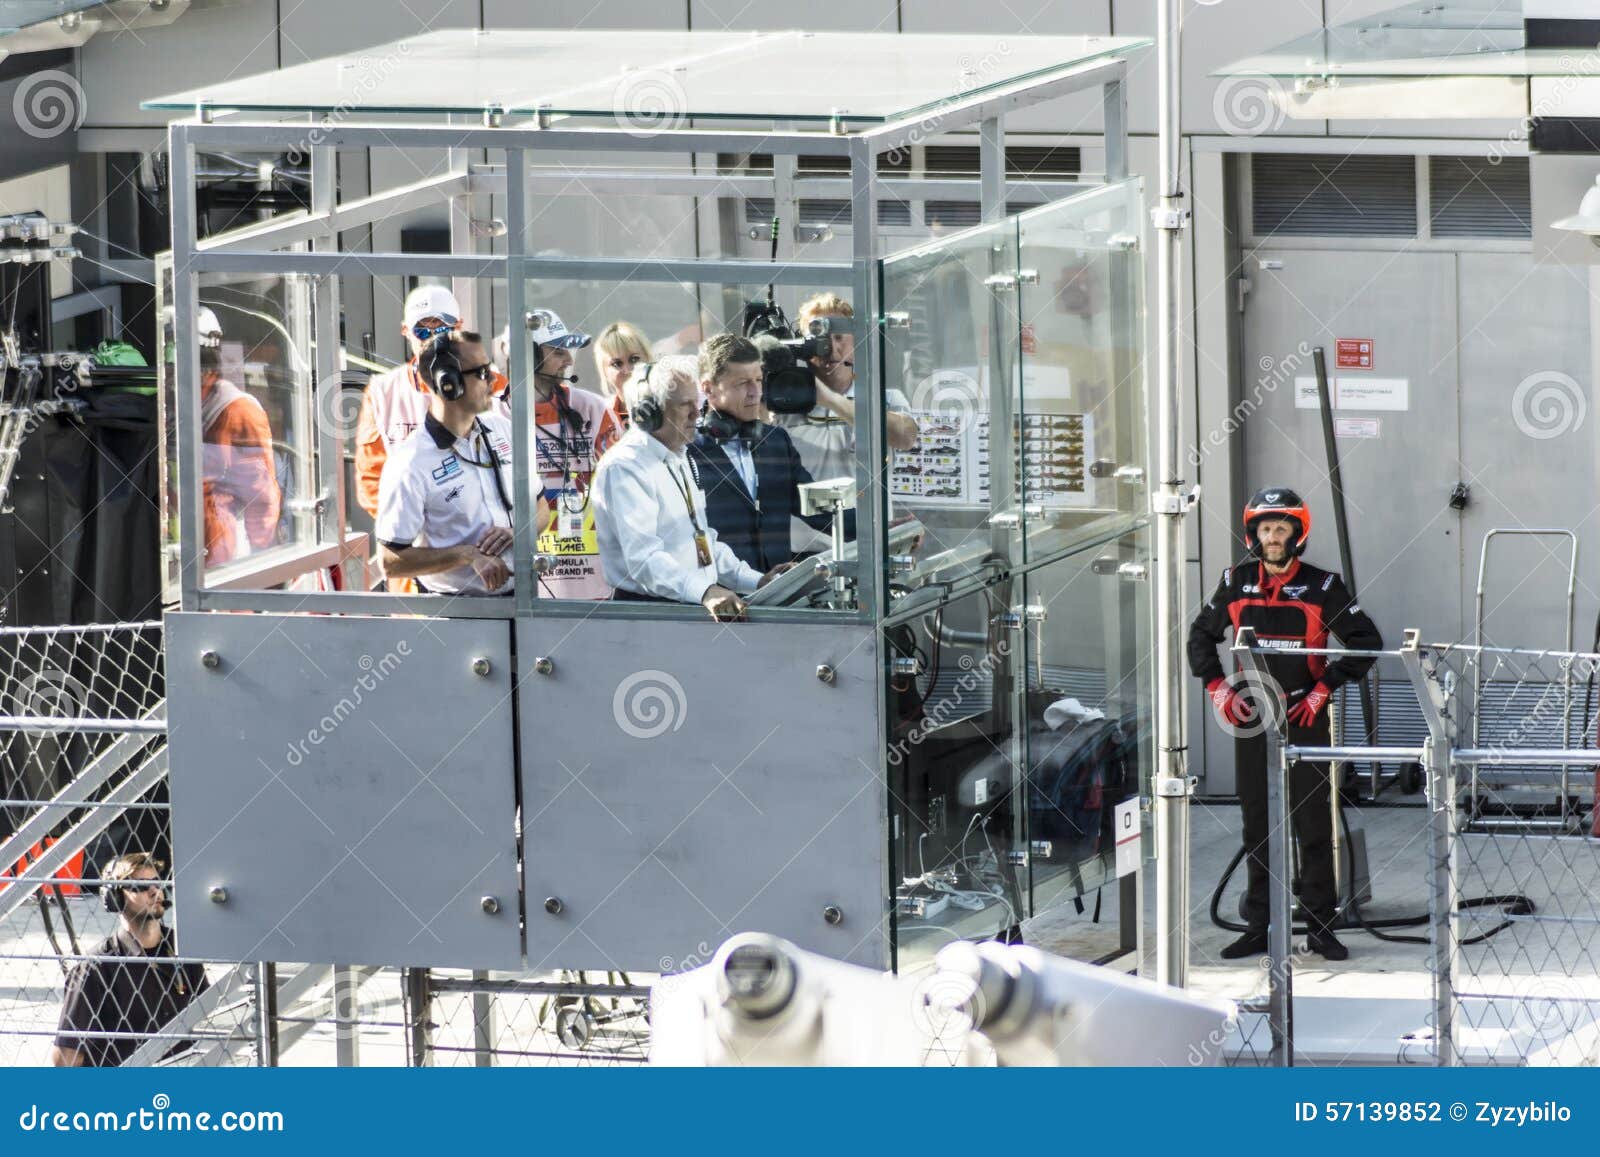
(650,515)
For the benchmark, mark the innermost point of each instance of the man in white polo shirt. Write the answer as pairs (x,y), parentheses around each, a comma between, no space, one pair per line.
(444,504)
(650,515)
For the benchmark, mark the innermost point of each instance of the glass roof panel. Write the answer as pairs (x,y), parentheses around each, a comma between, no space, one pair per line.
(1454,38)
(657,80)
(15,15)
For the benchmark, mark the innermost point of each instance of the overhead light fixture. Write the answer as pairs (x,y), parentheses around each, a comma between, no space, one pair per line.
(1587,219)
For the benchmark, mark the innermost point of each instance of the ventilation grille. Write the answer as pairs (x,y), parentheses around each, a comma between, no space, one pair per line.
(818,211)
(1302,195)
(1469,197)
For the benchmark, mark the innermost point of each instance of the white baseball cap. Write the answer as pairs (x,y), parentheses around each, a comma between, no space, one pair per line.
(431,301)
(208,328)
(545,328)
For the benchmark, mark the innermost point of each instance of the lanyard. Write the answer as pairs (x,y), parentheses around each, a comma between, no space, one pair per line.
(684,489)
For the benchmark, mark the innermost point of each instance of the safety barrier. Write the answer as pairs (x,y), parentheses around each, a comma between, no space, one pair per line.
(1513,863)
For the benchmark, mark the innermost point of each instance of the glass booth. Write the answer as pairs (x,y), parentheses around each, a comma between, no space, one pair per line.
(920,731)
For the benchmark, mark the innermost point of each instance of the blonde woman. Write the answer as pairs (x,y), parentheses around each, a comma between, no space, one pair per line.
(619,350)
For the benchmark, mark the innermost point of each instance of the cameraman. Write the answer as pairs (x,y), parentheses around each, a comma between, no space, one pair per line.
(826,437)
(749,470)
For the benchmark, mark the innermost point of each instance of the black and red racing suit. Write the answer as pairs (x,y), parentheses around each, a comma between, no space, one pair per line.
(1291,612)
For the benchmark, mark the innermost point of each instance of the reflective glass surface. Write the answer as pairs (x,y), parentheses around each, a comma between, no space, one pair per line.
(659,80)
(1048,305)
(258,429)
(1464,38)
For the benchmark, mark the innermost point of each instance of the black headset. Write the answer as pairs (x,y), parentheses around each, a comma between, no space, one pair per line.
(646,413)
(114,896)
(441,368)
(717,426)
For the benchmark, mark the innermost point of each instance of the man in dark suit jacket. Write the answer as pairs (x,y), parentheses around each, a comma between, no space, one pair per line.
(749,470)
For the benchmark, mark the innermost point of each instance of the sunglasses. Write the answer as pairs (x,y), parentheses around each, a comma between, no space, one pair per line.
(151,887)
(483,373)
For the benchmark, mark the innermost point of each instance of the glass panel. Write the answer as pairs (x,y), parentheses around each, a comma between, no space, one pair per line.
(956,814)
(1465,38)
(747,430)
(660,80)
(1088,718)
(951,331)
(258,430)
(1082,427)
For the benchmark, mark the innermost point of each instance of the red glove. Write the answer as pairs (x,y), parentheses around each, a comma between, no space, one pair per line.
(1230,708)
(1305,712)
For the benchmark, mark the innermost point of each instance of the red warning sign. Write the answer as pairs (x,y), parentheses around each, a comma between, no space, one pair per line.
(1354,353)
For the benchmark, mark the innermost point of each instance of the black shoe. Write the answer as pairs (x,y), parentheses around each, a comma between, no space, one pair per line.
(1250,944)
(1327,946)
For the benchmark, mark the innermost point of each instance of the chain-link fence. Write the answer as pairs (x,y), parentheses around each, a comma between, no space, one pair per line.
(1514,915)
(83,962)
(1520,963)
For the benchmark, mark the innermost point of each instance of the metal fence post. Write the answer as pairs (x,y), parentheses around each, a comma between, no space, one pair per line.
(1280,978)
(1280,974)
(266,1020)
(1439,767)
(346,1016)
(418,997)
(482,1025)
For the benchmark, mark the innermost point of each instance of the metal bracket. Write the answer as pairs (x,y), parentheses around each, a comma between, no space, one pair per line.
(1027,277)
(1001,282)
(1163,503)
(1170,786)
(898,319)
(1162,218)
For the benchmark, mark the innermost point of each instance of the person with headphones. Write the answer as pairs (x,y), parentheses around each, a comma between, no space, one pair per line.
(572,428)
(1293,606)
(128,987)
(445,505)
(394,403)
(650,514)
(750,471)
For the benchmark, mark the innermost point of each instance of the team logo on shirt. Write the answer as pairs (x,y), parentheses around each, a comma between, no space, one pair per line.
(1295,592)
(452,495)
(447,469)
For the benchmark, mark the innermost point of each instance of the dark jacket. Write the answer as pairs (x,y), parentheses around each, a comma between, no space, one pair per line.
(1290,612)
(756,529)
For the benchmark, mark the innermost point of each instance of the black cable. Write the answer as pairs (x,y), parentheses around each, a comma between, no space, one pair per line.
(1515,905)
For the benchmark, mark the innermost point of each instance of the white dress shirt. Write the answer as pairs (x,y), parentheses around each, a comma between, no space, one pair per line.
(644,526)
(738,452)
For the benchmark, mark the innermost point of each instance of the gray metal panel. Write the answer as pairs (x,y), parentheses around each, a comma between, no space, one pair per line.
(315,31)
(1404,537)
(350,782)
(118,68)
(1527,443)
(682,782)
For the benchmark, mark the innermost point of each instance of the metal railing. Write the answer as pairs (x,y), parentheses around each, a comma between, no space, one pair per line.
(1513,862)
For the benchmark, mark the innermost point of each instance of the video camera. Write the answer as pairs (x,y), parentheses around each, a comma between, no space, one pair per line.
(789,384)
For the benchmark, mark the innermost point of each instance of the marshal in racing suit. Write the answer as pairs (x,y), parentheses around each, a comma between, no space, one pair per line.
(1290,612)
